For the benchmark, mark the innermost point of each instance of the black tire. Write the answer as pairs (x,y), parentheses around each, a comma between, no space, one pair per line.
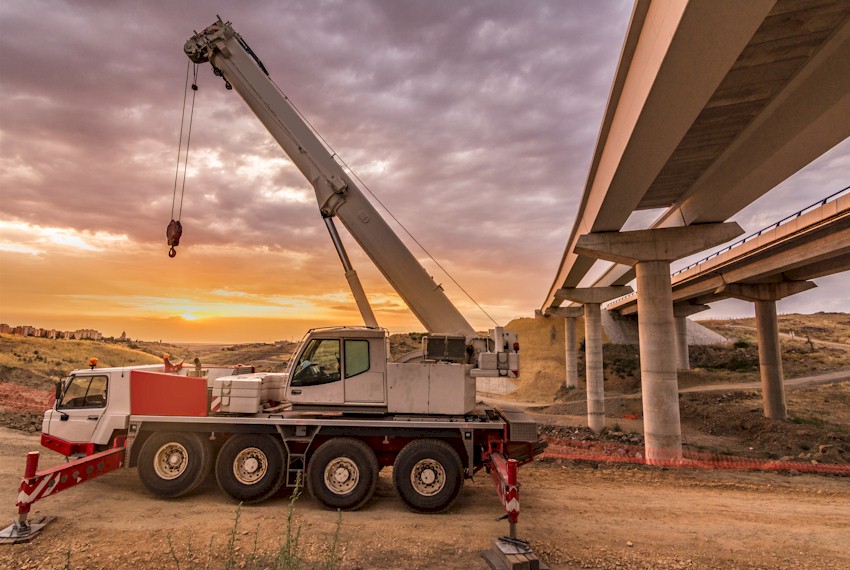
(428,475)
(250,467)
(174,464)
(343,474)
(208,459)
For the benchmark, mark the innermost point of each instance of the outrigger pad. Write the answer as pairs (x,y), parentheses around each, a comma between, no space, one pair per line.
(14,534)
(512,554)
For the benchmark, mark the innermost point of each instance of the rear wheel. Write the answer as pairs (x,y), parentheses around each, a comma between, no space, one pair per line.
(343,474)
(428,475)
(250,467)
(174,464)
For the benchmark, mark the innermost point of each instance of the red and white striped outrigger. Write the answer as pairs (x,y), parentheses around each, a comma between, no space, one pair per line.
(509,552)
(39,485)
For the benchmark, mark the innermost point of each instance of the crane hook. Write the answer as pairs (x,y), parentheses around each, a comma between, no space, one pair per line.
(173,233)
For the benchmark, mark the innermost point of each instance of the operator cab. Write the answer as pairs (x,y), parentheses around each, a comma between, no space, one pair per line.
(343,366)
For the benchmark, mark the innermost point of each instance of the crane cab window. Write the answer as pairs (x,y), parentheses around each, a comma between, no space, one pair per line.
(318,364)
(84,392)
(356,357)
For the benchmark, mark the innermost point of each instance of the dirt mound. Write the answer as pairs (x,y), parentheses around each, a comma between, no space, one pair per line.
(22,407)
(542,358)
(23,377)
(739,416)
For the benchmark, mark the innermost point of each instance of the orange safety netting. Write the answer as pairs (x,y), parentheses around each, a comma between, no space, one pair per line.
(611,452)
(24,399)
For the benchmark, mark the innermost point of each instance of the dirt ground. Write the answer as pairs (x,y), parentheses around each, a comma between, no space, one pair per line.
(575,515)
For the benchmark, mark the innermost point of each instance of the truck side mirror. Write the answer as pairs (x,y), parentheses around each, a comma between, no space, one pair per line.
(58,391)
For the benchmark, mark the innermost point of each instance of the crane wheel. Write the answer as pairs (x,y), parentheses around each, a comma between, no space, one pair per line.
(428,475)
(342,474)
(250,467)
(174,464)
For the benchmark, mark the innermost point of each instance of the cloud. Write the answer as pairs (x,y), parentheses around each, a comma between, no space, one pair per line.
(473,122)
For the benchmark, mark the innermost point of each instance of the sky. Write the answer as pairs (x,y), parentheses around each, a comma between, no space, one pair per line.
(473,122)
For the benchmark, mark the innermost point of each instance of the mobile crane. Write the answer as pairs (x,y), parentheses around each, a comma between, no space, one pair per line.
(341,411)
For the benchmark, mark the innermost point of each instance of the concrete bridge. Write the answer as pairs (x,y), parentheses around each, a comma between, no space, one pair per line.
(764,267)
(713,104)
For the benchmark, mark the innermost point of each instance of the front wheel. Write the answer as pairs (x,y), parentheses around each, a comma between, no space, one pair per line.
(428,475)
(250,467)
(174,464)
(343,474)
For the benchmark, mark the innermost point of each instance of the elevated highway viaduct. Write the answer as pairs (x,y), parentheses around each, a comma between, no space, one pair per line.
(713,104)
(764,267)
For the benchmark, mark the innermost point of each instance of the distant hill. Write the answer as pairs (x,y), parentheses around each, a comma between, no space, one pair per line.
(832,327)
(38,362)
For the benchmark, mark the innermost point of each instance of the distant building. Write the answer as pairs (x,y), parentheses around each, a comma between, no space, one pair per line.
(27,330)
(87,334)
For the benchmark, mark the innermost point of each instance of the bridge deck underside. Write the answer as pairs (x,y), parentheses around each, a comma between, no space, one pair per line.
(789,36)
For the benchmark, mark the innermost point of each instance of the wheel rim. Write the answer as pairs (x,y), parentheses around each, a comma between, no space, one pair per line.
(341,476)
(171,461)
(428,477)
(250,466)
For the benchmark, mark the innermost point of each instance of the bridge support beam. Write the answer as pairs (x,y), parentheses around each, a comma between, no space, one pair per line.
(681,314)
(592,299)
(765,295)
(570,315)
(651,252)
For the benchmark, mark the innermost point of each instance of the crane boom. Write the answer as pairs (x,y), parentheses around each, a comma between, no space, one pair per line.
(338,195)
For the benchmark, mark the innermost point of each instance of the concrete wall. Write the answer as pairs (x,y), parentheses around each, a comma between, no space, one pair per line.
(624,330)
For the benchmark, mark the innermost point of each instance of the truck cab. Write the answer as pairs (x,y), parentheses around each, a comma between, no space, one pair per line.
(91,405)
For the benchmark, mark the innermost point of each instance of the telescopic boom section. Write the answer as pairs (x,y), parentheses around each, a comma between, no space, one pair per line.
(337,194)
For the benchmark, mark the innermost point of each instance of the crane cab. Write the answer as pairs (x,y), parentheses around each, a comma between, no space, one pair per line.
(348,369)
(344,366)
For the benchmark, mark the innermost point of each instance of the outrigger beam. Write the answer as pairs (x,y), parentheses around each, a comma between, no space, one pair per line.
(38,485)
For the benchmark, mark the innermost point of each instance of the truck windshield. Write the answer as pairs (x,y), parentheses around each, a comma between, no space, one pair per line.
(84,392)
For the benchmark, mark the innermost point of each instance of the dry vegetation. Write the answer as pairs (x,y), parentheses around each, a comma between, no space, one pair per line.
(831,327)
(618,515)
(41,361)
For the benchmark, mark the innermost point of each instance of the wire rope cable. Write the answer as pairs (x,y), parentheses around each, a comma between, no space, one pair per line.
(188,141)
(175,229)
(378,200)
(180,140)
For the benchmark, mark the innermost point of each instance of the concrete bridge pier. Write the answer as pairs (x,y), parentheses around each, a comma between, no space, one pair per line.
(681,314)
(651,252)
(570,315)
(592,299)
(765,295)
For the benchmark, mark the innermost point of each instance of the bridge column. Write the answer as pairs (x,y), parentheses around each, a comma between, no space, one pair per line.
(650,252)
(765,295)
(592,299)
(570,353)
(570,315)
(681,314)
